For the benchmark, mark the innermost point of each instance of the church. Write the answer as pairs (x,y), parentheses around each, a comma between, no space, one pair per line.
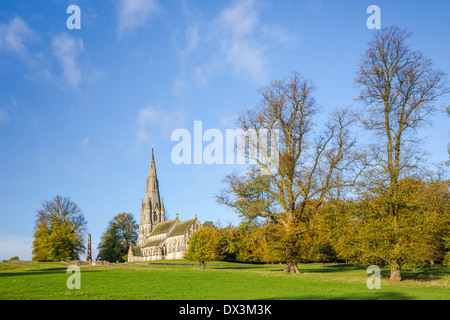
(159,239)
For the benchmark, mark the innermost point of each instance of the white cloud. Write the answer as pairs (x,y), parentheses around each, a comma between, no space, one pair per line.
(67,50)
(134,14)
(236,29)
(193,38)
(178,86)
(154,121)
(236,40)
(15,36)
(8,108)
(85,141)
(22,42)
(240,19)
(4,116)
(14,245)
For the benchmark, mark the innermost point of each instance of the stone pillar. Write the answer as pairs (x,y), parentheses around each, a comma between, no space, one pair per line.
(89,255)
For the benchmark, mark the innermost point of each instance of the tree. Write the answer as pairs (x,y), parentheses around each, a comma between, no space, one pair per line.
(249,242)
(59,231)
(339,223)
(448,146)
(322,251)
(122,232)
(399,88)
(417,234)
(309,168)
(203,246)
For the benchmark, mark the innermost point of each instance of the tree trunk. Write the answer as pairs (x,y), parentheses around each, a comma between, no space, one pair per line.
(203,264)
(291,254)
(395,271)
(291,267)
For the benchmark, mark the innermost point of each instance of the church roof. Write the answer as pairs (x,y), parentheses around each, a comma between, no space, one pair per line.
(163,227)
(174,226)
(153,243)
(181,228)
(136,251)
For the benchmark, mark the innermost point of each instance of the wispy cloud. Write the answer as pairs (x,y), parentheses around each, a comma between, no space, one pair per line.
(153,122)
(133,14)
(70,54)
(15,36)
(85,142)
(20,42)
(4,116)
(7,109)
(67,50)
(237,40)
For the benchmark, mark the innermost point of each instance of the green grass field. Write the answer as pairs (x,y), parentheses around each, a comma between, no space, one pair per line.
(32,280)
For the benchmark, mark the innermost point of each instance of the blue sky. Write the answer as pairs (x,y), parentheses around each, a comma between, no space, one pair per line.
(81,109)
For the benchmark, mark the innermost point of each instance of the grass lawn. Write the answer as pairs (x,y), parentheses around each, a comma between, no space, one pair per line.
(32,280)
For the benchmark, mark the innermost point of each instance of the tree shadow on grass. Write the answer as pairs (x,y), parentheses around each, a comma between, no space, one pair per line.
(238,267)
(36,272)
(425,274)
(331,268)
(375,296)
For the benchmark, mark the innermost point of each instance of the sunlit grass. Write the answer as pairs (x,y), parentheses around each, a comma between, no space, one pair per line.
(33,280)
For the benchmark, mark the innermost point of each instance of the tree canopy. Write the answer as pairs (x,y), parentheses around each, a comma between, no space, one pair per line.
(332,196)
(59,230)
(122,232)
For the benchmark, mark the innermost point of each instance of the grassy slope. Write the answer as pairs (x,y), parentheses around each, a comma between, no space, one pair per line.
(48,281)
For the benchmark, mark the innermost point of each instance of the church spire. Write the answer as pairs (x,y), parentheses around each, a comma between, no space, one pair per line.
(152,191)
(152,169)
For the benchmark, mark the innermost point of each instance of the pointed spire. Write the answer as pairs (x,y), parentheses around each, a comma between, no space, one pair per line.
(153,156)
(153,201)
(152,169)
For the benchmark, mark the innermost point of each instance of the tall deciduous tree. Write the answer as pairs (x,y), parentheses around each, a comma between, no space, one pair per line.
(416,235)
(203,245)
(399,89)
(309,168)
(59,231)
(122,232)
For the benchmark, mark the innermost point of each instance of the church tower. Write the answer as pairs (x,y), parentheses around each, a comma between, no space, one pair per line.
(152,209)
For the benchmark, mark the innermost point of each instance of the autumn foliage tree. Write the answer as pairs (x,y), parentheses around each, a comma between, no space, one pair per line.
(203,245)
(399,89)
(415,235)
(310,166)
(59,230)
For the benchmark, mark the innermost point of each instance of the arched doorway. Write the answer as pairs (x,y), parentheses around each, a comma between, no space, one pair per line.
(163,252)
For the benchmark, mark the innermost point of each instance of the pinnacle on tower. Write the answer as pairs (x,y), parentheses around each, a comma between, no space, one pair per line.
(153,210)
(152,191)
